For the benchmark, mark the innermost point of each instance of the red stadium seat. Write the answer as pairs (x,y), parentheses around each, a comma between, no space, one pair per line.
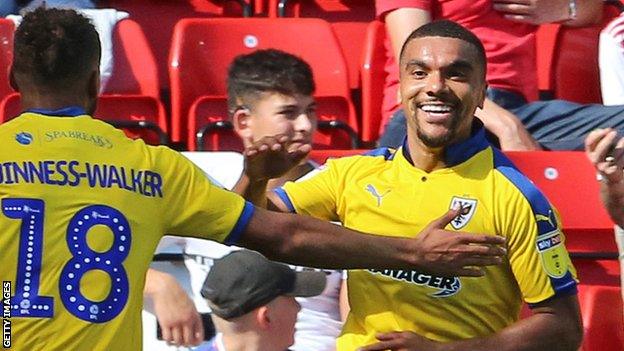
(6,55)
(373,80)
(601,308)
(134,69)
(139,116)
(202,49)
(349,19)
(158,18)
(569,181)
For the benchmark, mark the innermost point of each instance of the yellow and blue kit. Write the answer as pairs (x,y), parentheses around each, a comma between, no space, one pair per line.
(382,192)
(82,210)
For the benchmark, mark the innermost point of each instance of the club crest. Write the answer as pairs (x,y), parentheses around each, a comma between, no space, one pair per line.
(468,209)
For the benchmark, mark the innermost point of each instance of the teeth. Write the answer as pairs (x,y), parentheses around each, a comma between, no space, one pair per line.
(436,108)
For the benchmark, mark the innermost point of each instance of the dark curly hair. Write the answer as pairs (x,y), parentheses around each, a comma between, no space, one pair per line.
(267,70)
(55,47)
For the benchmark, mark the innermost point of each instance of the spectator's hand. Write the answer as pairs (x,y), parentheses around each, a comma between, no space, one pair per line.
(273,156)
(401,341)
(179,320)
(609,161)
(451,253)
(533,11)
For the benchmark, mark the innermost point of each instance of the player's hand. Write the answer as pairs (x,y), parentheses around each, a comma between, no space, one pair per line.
(451,253)
(179,320)
(533,11)
(273,156)
(606,152)
(401,341)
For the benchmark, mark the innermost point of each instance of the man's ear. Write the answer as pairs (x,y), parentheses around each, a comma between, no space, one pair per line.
(94,84)
(13,81)
(263,317)
(241,121)
(483,97)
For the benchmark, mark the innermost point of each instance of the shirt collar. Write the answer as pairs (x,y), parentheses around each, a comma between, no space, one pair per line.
(70,111)
(460,152)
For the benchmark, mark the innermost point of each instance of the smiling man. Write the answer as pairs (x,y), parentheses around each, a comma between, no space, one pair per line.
(446,162)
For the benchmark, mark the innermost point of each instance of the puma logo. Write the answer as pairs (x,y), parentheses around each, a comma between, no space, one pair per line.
(371,189)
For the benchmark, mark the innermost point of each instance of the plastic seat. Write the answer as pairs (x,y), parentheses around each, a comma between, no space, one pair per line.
(202,49)
(373,80)
(569,181)
(348,18)
(602,312)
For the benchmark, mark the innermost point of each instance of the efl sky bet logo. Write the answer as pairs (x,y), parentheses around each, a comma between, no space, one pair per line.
(24,138)
(445,286)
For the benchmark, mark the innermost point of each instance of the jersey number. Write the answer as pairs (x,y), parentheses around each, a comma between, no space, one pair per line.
(28,303)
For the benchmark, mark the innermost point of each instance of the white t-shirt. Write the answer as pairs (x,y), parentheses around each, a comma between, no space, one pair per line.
(318,323)
(611,62)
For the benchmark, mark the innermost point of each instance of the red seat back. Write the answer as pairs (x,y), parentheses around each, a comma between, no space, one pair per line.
(202,49)
(134,68)
(373,80)
(569,181)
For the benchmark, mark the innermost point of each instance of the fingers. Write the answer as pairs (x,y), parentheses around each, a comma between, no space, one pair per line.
(443,221)
(514,8)
(480,239)
(387,341)
(176,336)
(166,334)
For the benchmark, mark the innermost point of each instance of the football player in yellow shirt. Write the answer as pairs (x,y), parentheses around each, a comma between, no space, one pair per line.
(82,207)
(445,162)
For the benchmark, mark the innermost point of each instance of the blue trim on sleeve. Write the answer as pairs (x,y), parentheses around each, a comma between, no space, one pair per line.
(70,111)
(569,290)
(538,202)
(284,197)
(546,223)
(241,224)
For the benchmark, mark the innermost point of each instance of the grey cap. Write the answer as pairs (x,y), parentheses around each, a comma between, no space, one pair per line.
(244,280)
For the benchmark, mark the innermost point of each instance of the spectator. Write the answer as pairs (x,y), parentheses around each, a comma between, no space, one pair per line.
(83,206)
(507,30)
(253,301)
(445,162)
(270,94)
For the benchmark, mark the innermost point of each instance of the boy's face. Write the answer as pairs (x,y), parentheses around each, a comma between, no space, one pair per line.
(274,113)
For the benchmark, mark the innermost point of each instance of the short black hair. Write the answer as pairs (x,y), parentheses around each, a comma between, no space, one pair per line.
(268,70)
(448,29)
(55,47)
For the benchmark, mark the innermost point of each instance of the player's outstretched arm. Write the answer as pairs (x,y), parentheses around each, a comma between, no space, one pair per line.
(555,326)
(606,152)
(307,241)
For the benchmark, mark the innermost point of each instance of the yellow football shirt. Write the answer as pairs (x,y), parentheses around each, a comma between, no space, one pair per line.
(382,192)
(82,210)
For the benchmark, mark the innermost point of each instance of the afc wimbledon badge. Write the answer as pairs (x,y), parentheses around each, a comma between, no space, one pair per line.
(468,207)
